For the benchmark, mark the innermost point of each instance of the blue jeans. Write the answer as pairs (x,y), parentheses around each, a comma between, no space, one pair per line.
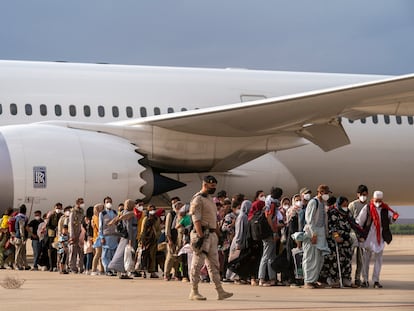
(36,252)
(269,254)
(107,255)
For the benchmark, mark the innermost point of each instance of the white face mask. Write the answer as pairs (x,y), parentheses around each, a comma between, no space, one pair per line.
(82,205)
(325,197)
(298,203)
(307,196)
(140,208)
(151,212)
(377,204)
(285,206)
(37,217)
(162,217)
(262,198)
(108,205)
(67,213)
(363,198)
(345,208)
(58,211)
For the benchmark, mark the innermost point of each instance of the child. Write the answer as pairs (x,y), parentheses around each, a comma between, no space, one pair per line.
(63,243)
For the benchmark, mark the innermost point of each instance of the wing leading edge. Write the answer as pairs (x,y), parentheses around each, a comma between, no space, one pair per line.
(312,115)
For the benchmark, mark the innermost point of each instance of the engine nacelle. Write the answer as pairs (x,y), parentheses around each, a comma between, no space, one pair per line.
(48,164)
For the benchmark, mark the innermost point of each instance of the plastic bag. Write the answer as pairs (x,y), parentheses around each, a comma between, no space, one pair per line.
(129,263)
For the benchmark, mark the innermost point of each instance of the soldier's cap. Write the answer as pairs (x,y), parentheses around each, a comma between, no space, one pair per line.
(210,179)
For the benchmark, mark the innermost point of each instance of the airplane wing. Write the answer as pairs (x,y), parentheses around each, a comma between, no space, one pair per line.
(312,115)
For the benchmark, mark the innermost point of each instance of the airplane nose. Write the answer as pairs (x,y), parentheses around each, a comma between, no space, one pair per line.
(6,176)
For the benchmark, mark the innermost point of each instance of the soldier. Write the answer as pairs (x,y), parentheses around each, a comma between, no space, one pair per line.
(204,239)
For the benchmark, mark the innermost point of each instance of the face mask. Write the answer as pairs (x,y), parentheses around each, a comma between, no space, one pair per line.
(151,212)
(377,204)
(262,198)
(344,208)
(108,205)
(307,196)
(140,208)
(37,217)
(298,203)
(211,190)
(325,197)
(285,206)
(67,213)
(82,205)
(363,198)
(58,211)
(162,217)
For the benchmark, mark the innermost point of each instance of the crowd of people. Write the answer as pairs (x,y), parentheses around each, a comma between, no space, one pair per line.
(306,240)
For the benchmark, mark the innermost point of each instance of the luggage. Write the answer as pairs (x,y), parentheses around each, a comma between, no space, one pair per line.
(297,254)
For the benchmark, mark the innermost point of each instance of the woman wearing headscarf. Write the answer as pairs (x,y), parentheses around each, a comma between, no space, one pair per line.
(129,223)
(241,258)
(340,224)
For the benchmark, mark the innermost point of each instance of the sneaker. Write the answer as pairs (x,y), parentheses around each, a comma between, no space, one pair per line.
(125,277)
(35,269)
(357,283)
(377,285)
(365,284)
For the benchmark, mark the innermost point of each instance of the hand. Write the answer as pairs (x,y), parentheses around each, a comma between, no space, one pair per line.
(314,239)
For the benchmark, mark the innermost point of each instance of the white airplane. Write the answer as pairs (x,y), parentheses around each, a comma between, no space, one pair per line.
(92,130)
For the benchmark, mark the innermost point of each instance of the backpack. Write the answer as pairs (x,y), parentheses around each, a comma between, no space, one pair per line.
(259,227)
(12,222)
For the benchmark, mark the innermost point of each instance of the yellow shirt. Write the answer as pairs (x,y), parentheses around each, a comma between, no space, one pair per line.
(5,222)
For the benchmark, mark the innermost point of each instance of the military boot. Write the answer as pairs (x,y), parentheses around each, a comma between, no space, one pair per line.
(223,294)
(195,295)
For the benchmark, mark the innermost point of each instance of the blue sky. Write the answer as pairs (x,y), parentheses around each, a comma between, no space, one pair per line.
(370,36)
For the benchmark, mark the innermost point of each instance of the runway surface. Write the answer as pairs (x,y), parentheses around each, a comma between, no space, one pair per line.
(52,291)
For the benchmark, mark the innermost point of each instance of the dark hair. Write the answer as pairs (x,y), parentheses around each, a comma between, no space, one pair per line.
(67,208)
(8,211)
(276,192)
(362,188)
(341,200)
(175,198)
(331,201)
(256,196)
(38,212)
(222,194)
(58,204)
(107,198)
(23,209)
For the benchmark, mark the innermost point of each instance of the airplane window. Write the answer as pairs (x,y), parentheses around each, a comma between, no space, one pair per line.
(43,110)
(58,110)
(351,121)
(157,111)
(87,111)
(183,109)
(1,109)
(143,112)
(129,112)
(13,109)
(387,119)
(363,120)
(398,119)
(410,120)
(72,110)
(375,119)
(115,111)
(170,110)
(28,109)
(101,111)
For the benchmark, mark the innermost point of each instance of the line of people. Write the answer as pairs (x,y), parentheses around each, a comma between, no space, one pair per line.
(272,240)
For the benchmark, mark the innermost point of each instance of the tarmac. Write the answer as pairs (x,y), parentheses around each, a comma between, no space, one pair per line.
(53,291)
